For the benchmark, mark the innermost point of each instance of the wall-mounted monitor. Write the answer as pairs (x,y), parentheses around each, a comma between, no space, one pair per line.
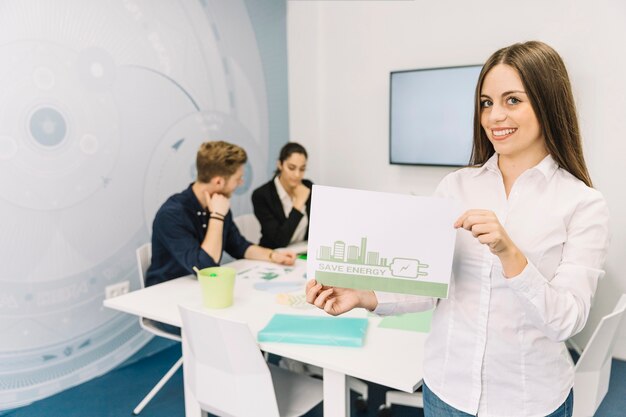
(431,114)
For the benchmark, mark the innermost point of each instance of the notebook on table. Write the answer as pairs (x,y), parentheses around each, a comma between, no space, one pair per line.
(315,330)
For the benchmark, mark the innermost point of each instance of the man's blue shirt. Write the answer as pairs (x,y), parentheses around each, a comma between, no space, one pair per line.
(178,230)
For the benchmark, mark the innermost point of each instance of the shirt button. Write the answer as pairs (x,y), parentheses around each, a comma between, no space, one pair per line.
(198,213)
(204,213)
(204,225)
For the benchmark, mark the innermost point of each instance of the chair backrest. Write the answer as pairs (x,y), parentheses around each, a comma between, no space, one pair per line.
(249,227)
(226,370)
(593,369)
(144,256)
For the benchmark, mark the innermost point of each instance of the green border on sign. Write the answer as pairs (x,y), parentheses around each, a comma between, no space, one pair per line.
(367,282)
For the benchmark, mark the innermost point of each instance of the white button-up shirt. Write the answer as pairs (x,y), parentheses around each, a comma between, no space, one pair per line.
(287,202)
(496,345)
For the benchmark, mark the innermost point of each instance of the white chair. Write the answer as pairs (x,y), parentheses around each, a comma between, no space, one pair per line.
(591,377)
(144,255)
(249,227)
(228,376)
(593,369)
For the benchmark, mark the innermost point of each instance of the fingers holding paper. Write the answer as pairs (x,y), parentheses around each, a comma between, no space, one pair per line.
(336,301)
(332,300)
(485,226)
(487,229)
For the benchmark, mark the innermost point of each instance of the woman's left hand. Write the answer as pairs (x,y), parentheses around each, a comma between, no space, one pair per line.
(485,226)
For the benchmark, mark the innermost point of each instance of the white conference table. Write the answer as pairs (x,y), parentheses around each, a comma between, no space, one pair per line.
(389,357)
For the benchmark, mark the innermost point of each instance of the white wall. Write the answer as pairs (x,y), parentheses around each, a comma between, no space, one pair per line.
(341,53)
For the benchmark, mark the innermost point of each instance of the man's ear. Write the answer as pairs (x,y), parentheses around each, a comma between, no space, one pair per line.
(278,166)
(218,181)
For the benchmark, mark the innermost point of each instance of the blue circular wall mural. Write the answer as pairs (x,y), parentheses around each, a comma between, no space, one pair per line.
(102,108)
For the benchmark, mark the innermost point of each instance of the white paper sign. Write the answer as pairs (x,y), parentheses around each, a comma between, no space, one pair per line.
(381,241)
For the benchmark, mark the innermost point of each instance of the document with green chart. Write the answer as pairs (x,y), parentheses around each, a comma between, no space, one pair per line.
(382,241)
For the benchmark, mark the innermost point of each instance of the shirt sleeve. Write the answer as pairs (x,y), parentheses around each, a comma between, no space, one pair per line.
(391,304)
(276,232)
(179,238)
(235,244)
(560,305)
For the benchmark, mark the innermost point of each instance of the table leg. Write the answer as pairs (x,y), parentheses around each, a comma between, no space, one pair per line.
(192,407)
(336,394)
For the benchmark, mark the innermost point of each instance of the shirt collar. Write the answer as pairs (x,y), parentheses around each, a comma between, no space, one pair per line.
(547,167)
(191,200)
(282,194)
(490,165)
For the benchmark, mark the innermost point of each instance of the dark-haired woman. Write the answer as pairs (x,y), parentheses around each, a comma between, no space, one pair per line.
(283,204)
(529,252)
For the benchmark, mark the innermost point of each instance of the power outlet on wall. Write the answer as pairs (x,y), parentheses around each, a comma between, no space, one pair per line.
(115,290)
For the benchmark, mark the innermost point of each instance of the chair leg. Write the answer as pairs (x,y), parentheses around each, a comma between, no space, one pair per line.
(358,386)
(158,387)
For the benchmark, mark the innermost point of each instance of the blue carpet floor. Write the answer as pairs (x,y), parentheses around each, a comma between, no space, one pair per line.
(118,392)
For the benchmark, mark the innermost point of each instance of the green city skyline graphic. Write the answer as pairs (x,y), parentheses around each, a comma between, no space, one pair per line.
(358,255)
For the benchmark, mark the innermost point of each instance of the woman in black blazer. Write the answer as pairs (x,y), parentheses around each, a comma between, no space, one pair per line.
(283,205)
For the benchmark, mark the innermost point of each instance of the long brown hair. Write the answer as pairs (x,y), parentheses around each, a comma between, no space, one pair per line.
(547,85)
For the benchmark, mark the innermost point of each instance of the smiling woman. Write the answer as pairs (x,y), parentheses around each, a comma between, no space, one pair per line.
(509,121)
(528,81)
(529,250)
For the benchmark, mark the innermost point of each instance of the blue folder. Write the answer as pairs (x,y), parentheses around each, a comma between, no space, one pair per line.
(314,330)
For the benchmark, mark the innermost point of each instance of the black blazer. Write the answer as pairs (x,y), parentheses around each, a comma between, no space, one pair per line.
(276,229)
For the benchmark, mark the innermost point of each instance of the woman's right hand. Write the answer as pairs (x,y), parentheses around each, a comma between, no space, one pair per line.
(301,196)
(335,300)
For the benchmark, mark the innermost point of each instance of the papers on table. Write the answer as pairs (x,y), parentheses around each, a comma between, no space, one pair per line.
(278,287)
(271,272)
(380,241)
(276,279)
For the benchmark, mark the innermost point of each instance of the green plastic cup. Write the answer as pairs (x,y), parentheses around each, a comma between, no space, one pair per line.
(218,284)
